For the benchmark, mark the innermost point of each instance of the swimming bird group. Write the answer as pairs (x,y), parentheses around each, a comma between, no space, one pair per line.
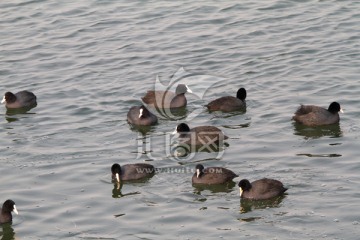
(260,189)
(309,115)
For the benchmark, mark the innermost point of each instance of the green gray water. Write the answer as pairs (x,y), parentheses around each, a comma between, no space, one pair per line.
(90,61)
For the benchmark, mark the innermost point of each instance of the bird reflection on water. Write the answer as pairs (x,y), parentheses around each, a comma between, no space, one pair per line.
(215,188)
(7,232)
(116,192)
(333,131)
(248,205)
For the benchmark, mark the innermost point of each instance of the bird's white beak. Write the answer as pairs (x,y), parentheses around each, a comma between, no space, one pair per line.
(141,112)
(3,100)
(117,177)
(174,132)
(188,89)
(197,173)
(241,191)
(15,210)
(342,111)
